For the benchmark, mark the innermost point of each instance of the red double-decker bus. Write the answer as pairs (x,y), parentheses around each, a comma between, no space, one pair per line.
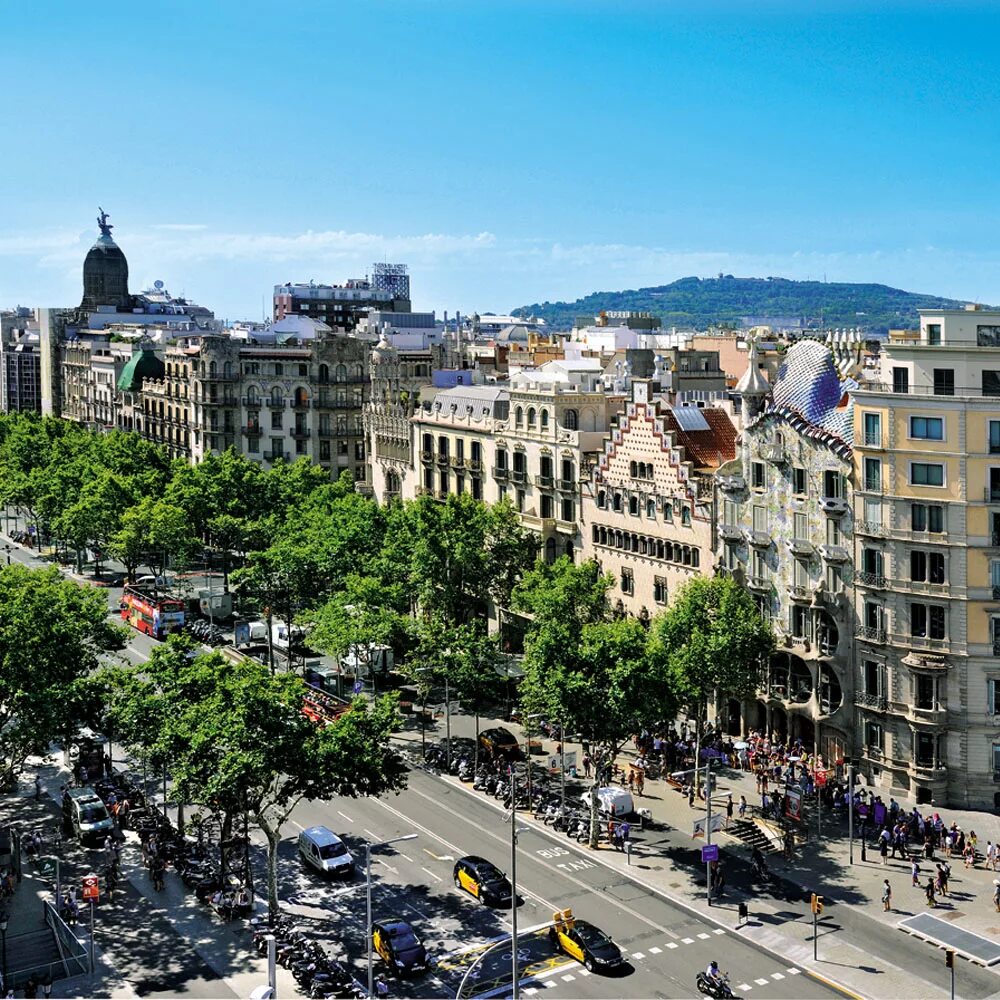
(151,613)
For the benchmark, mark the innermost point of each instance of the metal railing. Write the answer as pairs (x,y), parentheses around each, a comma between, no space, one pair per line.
(876,580)
(992,494)
(870,528)
(870,633)
(926,390)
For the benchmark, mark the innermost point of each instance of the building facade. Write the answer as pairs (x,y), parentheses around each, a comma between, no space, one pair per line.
(927,514)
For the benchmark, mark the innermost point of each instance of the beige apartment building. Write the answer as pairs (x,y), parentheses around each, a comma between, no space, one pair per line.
(927,546)
(648,510)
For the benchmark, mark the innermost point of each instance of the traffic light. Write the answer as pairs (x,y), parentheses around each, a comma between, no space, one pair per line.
(949,959)
(817,904)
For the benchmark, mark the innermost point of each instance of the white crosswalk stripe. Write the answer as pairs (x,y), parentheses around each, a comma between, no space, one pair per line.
(585,972)
(638,954)
(719,930)
(687,940)
(655,951)
(745,987)
(704,937)
(777,975)
(794,972)
(761,982)
(568,979)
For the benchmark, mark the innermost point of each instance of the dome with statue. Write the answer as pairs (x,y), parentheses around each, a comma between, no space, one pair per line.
(383,352)
(105,271)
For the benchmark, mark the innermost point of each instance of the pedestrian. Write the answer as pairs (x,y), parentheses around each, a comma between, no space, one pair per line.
(996,894)
(38,787)
(743,806)
(886,896)
(31,988)
(691,795)
(640,782)
(729,809)
(381,987)
(946,875)
(915,873)
(929,892)
(883,850)
(586,765)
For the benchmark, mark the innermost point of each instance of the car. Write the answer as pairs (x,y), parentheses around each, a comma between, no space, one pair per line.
(482,879)
(611,801)
(323,850)
(398,946)
(500,743)
(584,942)
(86,815)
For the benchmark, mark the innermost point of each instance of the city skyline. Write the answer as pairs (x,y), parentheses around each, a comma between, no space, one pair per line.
(508,154)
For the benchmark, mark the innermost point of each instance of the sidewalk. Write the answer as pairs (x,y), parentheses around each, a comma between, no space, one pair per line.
(859,946)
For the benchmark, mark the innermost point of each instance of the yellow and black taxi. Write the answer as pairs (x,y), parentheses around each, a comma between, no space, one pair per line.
(482,879)
(584,942)
(500,744)
(398,946)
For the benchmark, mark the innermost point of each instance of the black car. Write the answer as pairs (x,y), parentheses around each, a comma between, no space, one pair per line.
(586,943)
(500,744)
(482,879)
(398,946)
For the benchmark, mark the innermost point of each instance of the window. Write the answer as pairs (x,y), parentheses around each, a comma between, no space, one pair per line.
(278,369)
(873,474)
(873,511)
(872,562)
(927,428)
(518,416)
(799,481)
(926,474)
(651,508)
(924,690)
(759,518)
(927,621)
(996,759)
(900,380)
(927,517)
(628,582)
(994,437)
(616,502)
(570,420)
(758,472)
(834,579)
(459,449)
(303,371)
(799,622)
(545,419)
(993,697)
(875,678)
(444,480)
(324,451)
(276,417)
(833,483)
(944,381)
(991,383)
(660,590)
(873,429)
(730,512)
(531,416)
(760,567)
(633,506)
(927,567)
(547,508)
(923,751)
(568,510)
(801,527)
(668,511)
(800,573)
(873,736)
(686,515)
(501,457)
(832,531)
(934,334)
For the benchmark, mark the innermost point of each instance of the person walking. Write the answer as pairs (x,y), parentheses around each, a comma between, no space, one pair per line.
(743,806)
(729,810)
(883,850)
(929,892)
(915,873)
(886,896)
(38,787)
(996,894)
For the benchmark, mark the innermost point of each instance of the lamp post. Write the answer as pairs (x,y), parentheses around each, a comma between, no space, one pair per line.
(515,972)
(4,919)
(368,896)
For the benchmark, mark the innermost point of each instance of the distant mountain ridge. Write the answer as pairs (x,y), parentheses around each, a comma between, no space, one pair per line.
(723,301)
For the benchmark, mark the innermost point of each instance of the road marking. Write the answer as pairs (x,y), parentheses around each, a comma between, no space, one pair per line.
(395,871)
(298,825)
(439,857)
(408,858)
(703,936)
(745,987)
(761,982)
(638,955)
(568,979)
(530,991)
(432,874)
(671,944)
(794,972)
(549,984)
(374,836)
(655,950)
(777,975)
(719,930)
(345,816)
(687,940)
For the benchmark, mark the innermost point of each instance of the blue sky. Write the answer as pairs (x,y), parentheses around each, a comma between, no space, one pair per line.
(508,151)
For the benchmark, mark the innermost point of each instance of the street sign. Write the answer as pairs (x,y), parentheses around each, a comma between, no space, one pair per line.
(47,867)
(820,778)
(358,685)
(793,804)
(699,825)
(709,852)
(91,887)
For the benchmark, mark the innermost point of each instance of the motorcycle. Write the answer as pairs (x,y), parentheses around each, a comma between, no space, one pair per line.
(719,990)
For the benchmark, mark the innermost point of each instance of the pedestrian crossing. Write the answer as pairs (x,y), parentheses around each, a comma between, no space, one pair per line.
(551,980)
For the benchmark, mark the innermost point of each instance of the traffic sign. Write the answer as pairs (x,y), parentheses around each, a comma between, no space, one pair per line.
(358,685)
(91,887)
(820,777)
(709,852)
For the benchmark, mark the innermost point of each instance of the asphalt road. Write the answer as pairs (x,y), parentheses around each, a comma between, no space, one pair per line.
(665,946)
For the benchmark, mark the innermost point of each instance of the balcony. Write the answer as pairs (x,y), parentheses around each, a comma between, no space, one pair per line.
(566,485)
(251,430)
(545,482)
(836,506)
(877,701)
(216,377)
(275,456)
(996,647)
(275,404)
(225,401)
(873,440)
(991,494)
(501,473)
(300,432)
(442,458)
(758,539)
(325,403)
(801,547)
(735,483)
(254,402)
(773,453)
(834,553)
(874,581)
(761,584)
(800,594)
(427,456)
(875,528)
(518,475)
(927,716)
(871,633)
(731,532)
(300,404)
(473,464)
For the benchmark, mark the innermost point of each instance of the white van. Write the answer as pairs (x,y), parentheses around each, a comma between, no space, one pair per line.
(159,582)
(611,801)
(323,850)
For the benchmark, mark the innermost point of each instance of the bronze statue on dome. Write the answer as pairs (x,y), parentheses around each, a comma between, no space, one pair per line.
(102,222)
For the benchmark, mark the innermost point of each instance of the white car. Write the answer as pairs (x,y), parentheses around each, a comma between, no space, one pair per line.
(611,801)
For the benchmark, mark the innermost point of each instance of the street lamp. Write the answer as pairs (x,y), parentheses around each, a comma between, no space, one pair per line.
(4,919)
(368,894)
(515,972)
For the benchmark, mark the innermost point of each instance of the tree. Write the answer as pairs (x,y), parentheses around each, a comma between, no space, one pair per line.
(711,642)
(151,533)
(52,634)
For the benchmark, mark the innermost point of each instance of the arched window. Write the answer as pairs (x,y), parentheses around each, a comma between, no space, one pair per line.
(602,499)
(531,416)
(518,416)
(685,514)
(252,399)
(616,502)
(324,373)
(392,482)
(651,508)
(545,419)
(633,469)
(568,549)
(340,373)
(227,369)
(301,397)
(595,533)
(635,543)
(211,368)
(668,511)
(687,556)
(642,545)
(571,420)
(276,396)
(633,506)
(358,372)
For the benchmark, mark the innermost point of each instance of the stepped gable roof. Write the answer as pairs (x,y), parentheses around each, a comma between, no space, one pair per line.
(708,448)
(809,384)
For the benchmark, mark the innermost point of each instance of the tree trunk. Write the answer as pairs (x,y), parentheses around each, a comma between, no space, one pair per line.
(225,835)
(273,839)
(270,640)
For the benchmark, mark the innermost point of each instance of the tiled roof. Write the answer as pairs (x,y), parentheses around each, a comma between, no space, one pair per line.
(710,448)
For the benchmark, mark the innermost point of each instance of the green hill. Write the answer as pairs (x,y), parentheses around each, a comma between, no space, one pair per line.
(723,301)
